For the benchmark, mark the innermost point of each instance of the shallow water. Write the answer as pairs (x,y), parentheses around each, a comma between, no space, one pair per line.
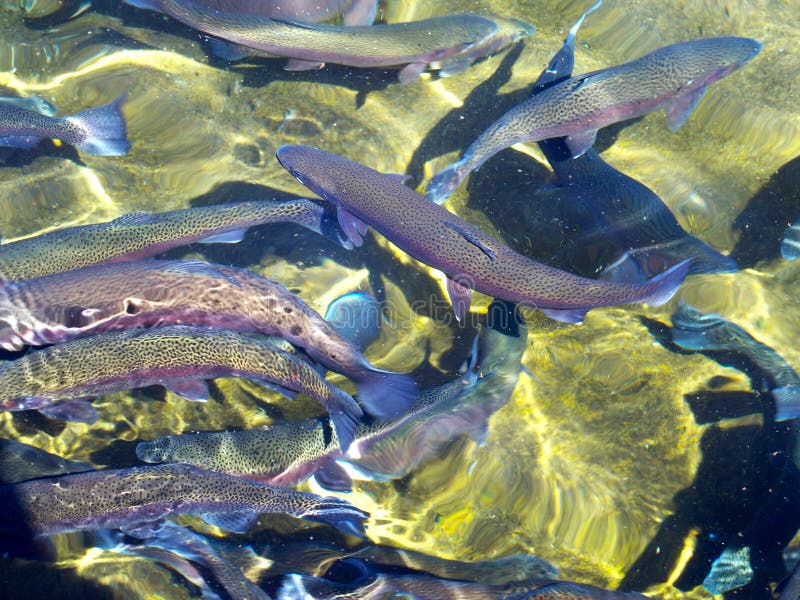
(583,466)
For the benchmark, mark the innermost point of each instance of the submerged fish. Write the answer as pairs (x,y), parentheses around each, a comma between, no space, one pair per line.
(177,357)
(98,130)
(318,558)
(19,462)
(421,585)
(700,332)
(148,293)
(289,452)
(470,258)
(771,525)
(34,103)
(450,43)
(352,12)
(174,545)
(607,204)
(131,498)
(673,78)
(144,234)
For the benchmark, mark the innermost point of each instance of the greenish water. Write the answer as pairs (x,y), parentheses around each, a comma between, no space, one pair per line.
(582,467)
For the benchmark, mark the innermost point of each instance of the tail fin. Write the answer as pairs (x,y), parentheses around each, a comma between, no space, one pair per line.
(345,415)
(338,513)
(105,129)
(661,288)
(444,183)
(385,394)
(787,402)
(705,259)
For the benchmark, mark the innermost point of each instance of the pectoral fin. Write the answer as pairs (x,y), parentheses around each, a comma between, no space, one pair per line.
(681,107)
(460,298)
(229,237)
(578,143)
(354,228)
(194,390)
(78,411)
(296,64)
(333,477)
(411,72)
(471,237)
(575,316)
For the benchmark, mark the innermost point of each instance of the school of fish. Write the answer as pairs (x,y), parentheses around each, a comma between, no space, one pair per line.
(111,314)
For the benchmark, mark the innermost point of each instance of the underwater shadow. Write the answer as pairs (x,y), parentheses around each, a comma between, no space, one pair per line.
(745,489)
(24,157)
(761,225)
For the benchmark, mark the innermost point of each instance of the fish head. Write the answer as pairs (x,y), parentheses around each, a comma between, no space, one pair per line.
(512,30)
(156,451)
(711,59)
(314,168)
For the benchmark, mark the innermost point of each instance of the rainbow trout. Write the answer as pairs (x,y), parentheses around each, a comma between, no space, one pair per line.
(149,293)
(605,204)
(286,453)
(470,258)
(134,497)
(143,234)
(450,43)
(673,78)
(178,357)
(99,131)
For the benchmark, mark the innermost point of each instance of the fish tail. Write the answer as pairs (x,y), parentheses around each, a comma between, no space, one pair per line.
(661,288)
(445,182)
(705,259)
(345,415)
(384,394)
(787,402)
(104,129)
(338,513)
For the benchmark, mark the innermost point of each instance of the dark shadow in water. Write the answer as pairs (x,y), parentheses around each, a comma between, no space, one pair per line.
(745,491)
(761,225)
(22,157)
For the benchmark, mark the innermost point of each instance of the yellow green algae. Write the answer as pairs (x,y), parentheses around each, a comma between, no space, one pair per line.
(582,465)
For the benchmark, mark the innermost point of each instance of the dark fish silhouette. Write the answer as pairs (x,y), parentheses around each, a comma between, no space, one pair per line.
(606,204)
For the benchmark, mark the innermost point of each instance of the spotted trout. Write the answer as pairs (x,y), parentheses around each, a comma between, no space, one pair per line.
(286,453)
(607,206)
(450,43)
(149,293)
(133,497)
(178,357)
(100,131)
(673,78)
(143,234)
(470,258)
